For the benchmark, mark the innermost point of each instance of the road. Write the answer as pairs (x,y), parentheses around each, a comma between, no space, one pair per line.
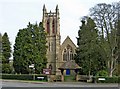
(66,85)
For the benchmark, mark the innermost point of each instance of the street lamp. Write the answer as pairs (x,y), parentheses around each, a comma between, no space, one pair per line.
(32,66)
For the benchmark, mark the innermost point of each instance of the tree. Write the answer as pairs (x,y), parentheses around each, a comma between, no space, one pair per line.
(6,54)
(30,48)
(88,54)
(6,68)
(0,52)
(105,17)
(0,47)
(118,36)
(6,48)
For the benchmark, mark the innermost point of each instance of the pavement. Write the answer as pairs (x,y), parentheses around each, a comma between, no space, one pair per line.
(23,81)
(62,83)
(41,82)
(23,84)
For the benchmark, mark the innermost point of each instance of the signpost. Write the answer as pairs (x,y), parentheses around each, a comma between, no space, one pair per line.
(32,66)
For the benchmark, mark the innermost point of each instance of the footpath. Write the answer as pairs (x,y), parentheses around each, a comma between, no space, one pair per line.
(41,82)
(22,81)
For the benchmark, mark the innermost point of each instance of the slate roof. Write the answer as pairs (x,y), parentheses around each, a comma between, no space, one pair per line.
(70,65)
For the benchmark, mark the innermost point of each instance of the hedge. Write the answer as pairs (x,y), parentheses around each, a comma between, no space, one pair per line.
(23,76)
(107,80)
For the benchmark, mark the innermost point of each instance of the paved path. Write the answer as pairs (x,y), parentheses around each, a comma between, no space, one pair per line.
(14,83)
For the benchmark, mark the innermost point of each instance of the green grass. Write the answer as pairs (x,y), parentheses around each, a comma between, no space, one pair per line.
(69,78)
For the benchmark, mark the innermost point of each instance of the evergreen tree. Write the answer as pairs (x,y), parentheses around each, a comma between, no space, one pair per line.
(0,47)
(0,52)
(89,54)
(6,54)
(30,48)
(6,48)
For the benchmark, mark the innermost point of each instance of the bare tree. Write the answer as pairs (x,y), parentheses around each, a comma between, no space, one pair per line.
(105,16)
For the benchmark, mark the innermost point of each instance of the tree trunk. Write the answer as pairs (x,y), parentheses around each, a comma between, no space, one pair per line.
(110,74)
(113,62)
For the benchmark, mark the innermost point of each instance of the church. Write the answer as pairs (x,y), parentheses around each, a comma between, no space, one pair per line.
(57,53)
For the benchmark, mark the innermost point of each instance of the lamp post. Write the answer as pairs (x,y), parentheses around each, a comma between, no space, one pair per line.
(32,66)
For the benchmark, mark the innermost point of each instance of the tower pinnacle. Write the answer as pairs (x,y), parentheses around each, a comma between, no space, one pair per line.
(57,10)
(57,7)
(44,7)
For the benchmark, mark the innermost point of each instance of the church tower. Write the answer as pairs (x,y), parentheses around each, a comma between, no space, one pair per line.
(51,23)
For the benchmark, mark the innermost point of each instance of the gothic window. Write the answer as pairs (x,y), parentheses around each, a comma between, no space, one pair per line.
(49,47)
(68,53)
(71,54)
(52,48)
(53,26)
(64,55)
(50,66)
(48,26)
(68,57)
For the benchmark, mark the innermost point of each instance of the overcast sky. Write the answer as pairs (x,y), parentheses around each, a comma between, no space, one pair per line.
(15,14)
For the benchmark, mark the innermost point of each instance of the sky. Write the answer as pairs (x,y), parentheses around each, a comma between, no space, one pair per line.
(15,15)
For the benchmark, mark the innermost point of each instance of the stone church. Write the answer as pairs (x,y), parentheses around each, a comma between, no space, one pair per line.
(57,53)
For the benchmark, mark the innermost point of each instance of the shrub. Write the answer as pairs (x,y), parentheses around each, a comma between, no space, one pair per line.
(107,79)
(6,68)
(102,73)
(22,76)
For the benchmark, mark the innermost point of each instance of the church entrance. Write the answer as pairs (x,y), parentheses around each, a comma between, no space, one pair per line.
(67,71)
(71,71)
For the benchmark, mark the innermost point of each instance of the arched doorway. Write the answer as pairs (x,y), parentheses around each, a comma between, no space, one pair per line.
(69,66)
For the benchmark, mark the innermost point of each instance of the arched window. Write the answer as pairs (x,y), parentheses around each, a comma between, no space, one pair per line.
(48,26)
(64,55)
(71,54)
(49,46)
(53,26)
(68,53)
(52,48)
(50,66)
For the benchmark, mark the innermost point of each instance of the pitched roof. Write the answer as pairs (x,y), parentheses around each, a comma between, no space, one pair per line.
(68,40)
(70,65)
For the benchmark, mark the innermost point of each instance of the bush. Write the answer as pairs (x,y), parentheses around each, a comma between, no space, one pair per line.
(102,73)
(6,68)
(17,76)
(22,76)
(107,80)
